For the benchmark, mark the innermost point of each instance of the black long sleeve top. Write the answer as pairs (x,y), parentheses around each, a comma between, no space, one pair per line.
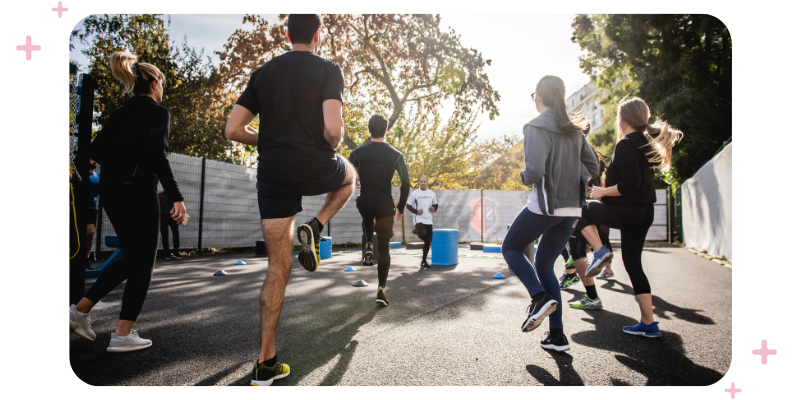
(133,145)
(376,163)
(631,171)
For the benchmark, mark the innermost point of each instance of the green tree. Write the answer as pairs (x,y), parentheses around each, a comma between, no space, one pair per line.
(190,88)
(679,64)
(390,62)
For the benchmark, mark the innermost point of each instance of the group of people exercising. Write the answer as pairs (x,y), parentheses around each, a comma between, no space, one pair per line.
(298,97)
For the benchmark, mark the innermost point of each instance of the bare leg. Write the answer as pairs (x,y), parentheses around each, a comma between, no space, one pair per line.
(581,266)
(89,236)
(645,301)
(124,327)
(591,236)
(84,306)
(279,236)
(339,197)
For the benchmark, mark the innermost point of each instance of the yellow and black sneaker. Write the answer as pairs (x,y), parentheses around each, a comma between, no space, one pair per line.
(308,235)
(264,375)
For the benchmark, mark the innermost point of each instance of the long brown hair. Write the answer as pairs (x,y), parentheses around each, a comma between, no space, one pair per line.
(551,89)
(635,112)
(135,77)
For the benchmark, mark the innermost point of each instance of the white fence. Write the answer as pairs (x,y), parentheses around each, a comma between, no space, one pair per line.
(231,218)
(707,206)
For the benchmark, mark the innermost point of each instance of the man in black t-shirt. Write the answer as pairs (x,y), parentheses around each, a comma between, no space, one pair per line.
(376,162)
(298,96)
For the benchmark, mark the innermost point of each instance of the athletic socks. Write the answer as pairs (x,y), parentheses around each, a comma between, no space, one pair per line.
(556,333)
(81,314)
(591,291)
(320,226)
(570,275)
(271,362)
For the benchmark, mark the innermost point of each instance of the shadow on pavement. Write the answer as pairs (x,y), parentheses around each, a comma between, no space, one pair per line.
(567,376)
(662,361)
(661,307)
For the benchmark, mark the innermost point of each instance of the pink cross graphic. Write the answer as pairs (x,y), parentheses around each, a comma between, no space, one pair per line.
(733,390)
(28,48)
(764,352)
(60,9)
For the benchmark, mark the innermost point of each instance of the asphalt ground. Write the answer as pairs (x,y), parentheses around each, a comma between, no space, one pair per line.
(451,325)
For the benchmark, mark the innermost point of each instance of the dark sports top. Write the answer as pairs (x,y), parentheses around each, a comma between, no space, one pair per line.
(287,94)
(631,171)
(133,147)
(376,163)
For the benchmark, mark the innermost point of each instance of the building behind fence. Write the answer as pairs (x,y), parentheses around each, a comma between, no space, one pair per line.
(229,214)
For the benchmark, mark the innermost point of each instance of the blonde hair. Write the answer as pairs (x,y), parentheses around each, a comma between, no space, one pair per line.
(635,112)
(135,77)
(551,89)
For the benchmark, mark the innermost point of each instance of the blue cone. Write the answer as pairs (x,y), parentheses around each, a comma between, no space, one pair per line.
(498,276)
(348,269)
(241,263)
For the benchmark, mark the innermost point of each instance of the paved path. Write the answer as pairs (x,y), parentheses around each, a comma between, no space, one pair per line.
(445,326)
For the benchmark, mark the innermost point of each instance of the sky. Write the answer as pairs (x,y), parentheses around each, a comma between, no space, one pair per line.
(523,48)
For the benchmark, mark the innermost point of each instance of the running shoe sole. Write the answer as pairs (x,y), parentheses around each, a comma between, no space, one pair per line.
(308,255)
(535,320)
(78,329)
(368,259)
(381,302)
(125,349)
(596,268)
(269,382)
(555,347)
(645,334)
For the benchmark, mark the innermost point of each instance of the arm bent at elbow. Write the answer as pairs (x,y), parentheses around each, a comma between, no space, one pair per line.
(334,123)
(238,128)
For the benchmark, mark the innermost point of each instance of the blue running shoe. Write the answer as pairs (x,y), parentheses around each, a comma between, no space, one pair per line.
(642,329)
(601,257)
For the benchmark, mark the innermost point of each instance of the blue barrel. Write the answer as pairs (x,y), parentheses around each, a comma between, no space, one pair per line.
(444,247)
(325,247)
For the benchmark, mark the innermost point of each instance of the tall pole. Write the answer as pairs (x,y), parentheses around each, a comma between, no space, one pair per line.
(202,197)
(80,187)
(482,212)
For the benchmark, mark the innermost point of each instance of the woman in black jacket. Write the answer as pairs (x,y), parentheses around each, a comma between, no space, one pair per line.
(626,203)
(132,149)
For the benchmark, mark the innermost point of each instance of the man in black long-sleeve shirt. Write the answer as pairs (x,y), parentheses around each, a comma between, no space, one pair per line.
(376,162)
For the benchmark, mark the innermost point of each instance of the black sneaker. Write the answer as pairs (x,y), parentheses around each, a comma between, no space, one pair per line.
(538,311)
(367,261)
(264,375)
(425,264)
(382,299)
(557,344)
(308,235)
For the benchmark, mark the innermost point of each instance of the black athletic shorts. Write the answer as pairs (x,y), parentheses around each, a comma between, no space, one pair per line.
(285,200)
(91,216)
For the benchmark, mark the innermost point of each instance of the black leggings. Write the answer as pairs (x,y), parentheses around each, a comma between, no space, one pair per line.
(376,215)
(167,224)
(134,213)
(426,240)
(633,221)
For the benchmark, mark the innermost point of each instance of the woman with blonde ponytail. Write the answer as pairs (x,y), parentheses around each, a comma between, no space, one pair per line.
(555,151)
(132,148)
(626,203)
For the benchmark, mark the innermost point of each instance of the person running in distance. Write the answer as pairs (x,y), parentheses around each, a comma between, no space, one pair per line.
(132,148)
(298,97)
(376,163)
(554,149)
(627,201)
(422,204)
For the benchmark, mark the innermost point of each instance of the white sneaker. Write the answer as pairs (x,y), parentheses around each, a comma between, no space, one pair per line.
(132,342)
(80,324)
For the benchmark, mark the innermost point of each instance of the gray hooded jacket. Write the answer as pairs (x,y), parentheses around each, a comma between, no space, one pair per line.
(551,155)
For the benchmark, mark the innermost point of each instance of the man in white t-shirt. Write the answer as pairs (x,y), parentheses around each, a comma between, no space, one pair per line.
(422,204)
